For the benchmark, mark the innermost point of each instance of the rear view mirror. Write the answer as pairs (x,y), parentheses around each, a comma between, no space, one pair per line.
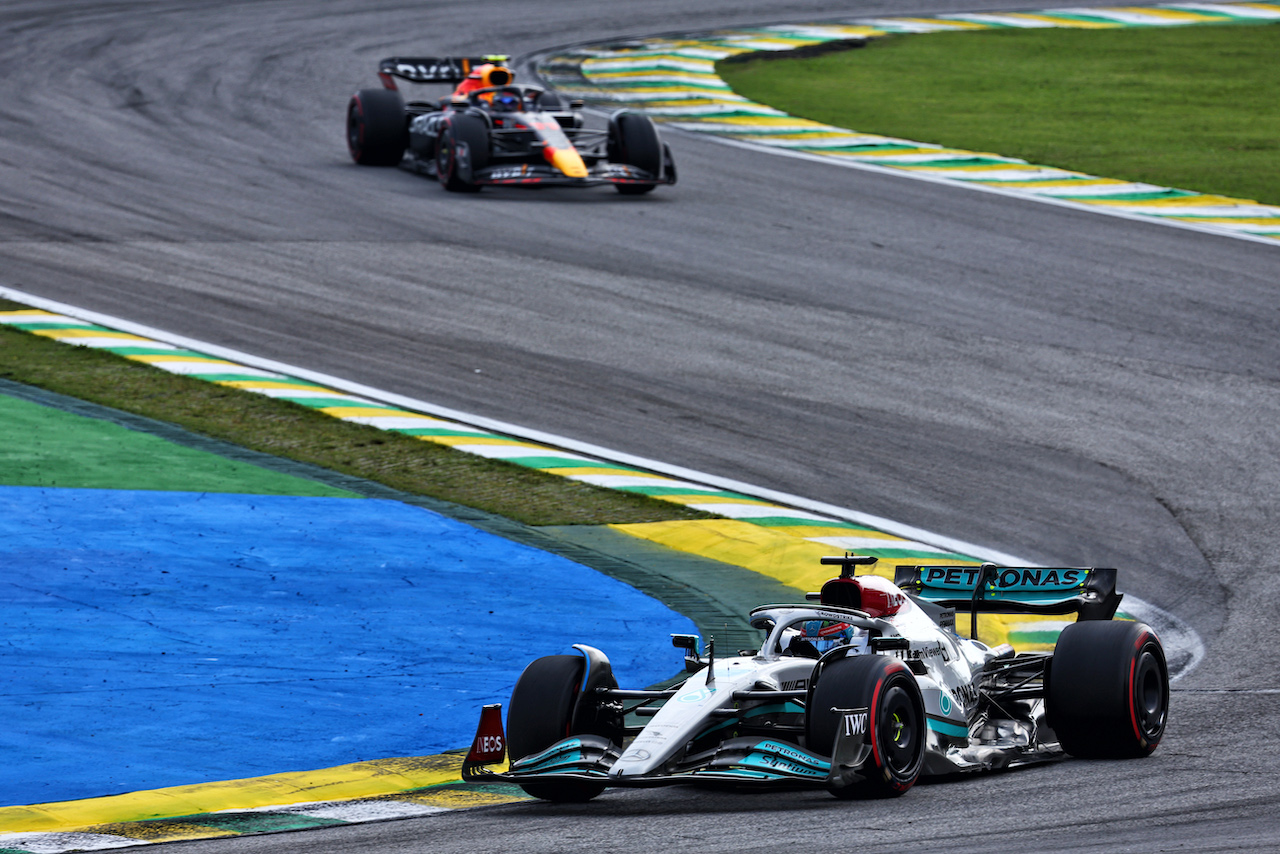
(686,642)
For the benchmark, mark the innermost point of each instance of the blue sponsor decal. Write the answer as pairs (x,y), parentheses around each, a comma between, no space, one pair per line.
(783,761)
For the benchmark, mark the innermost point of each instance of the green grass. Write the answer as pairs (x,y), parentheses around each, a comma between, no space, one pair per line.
(295,432)
(1196,108)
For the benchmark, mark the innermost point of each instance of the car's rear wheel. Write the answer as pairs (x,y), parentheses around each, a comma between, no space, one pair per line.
(633,140)
(541,713)
(887,690)
(376,130)
(461,130)
(1107,692)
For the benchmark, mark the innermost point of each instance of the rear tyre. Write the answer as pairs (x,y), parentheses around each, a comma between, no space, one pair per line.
(376,131)
(1108,690)
(886,688)
(541,713)
(461,129)
(633,140)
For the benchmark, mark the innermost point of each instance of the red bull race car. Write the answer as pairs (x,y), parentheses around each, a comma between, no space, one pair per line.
(491,131)
(860,691)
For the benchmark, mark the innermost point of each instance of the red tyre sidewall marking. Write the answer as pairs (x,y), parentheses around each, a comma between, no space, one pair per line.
(1133,710)
(875,729)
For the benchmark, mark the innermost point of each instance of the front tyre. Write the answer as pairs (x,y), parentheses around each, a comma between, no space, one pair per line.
(541,713)
(887,689)
(376,131)
(462,135)
(633,140)
(1107,695)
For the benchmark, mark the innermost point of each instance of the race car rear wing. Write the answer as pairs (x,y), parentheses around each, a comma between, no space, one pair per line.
(1087,591)
(433,69)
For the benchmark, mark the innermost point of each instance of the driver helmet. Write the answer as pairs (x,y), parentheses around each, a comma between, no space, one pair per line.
(507,102)
(827,634)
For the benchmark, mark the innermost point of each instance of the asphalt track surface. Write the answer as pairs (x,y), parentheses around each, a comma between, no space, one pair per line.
(1070,388)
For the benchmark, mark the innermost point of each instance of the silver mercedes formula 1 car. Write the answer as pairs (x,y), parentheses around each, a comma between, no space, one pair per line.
(859,691)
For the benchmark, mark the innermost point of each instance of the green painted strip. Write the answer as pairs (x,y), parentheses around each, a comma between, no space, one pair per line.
(659,491)
(60,324)
(898,554)
(1133,197)
(438,431)
(648,85)
(711,114)
(230,377)
(788,521)
(561,463)
(1218,16)
(536,462)
(1048,180)
(50,441)
(962,162)
(142,350)
(1248,220)
(265,823)
(335,403)
(1088,19)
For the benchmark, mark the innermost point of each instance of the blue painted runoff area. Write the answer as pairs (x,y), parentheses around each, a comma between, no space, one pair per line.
(155,639)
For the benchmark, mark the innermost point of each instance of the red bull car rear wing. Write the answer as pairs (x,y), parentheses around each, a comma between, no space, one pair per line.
(435,69)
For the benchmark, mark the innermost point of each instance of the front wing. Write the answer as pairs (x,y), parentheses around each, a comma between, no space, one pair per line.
(738,761)
(546,175)
(536,173)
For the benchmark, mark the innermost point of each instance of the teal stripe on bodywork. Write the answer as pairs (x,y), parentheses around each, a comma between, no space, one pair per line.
(947,728)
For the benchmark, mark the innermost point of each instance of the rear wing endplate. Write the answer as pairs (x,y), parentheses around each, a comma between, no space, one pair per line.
(1087,591)
(435,69)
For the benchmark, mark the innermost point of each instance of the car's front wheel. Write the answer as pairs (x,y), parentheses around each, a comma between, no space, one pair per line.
(542,713)
(895,720)
(633,140)
(462,136)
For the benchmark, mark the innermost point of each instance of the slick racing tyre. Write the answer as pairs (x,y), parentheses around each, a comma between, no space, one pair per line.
(896,721)
(541,713)
(1107,695)
(459,130)
(633,140)
(376,130)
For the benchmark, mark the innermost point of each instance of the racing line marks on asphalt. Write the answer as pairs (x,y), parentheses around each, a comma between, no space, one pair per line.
(673,79)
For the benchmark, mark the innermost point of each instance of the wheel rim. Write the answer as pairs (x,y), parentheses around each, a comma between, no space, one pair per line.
(1150,695)
(444,160)
(354,130)
(900,730)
